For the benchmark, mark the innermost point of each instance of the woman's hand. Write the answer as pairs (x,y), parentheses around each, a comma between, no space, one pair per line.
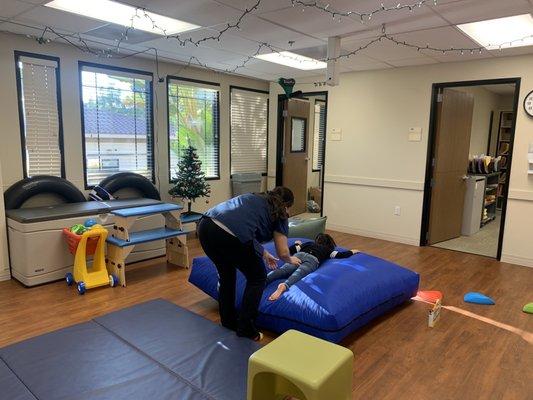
(295,260)
(270,260)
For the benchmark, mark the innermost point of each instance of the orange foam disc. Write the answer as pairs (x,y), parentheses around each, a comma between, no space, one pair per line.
(430,295)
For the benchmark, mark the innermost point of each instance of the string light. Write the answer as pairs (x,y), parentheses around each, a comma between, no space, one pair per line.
(77,41)
(362,16)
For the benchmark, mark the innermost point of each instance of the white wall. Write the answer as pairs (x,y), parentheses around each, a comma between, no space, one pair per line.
(10,150)
(375,168)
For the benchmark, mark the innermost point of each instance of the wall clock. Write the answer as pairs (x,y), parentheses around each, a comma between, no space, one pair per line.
(528,104)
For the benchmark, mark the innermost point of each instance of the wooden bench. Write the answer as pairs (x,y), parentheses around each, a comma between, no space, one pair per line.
(121,242)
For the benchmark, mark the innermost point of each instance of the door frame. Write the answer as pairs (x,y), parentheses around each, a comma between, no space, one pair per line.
(426,207)
(279,142)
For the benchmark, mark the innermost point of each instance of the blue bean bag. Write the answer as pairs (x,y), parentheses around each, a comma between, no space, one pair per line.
(330,303)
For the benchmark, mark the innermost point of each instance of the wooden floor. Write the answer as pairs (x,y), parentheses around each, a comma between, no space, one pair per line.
(396,357)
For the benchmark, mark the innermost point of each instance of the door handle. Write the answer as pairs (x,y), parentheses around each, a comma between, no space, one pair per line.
(464,177)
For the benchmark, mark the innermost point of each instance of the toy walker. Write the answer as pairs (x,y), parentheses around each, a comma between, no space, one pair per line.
(91,241)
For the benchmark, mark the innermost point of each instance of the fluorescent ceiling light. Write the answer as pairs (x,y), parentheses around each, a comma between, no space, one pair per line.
(122,14)
(506,32)
(293,60)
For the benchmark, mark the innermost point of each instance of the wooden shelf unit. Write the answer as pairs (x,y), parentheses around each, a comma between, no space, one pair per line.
(502,149)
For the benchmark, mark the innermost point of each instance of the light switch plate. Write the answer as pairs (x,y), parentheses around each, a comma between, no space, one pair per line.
(415,134)
(336,134)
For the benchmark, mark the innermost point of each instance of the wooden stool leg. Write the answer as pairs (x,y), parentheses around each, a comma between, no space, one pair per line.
(116,261)
(177,251)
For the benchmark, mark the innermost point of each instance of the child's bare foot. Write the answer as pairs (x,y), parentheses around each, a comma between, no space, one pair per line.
(279,291)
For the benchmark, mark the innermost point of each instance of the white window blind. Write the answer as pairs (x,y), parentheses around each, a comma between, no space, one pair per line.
(40,112)
(117,123)
(249,131)
(319,135)
(193,120)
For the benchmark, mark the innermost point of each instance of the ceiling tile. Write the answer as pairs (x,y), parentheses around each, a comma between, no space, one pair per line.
(257,29)
(10,8)
(36,2)
(384,50)
(200,12)
(444,38)
(45,16)
(264,6)
(312,22)
(479,10)
(232,43)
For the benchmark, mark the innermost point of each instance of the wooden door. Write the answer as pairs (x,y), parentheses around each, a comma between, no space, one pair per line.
(295,151)
(450,164)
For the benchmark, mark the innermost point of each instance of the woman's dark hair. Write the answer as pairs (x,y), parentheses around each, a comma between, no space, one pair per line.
(279,199)
(323,239)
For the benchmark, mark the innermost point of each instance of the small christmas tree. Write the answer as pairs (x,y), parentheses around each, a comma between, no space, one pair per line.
(190,182)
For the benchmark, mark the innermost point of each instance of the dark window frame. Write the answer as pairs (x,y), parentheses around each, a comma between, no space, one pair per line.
(22,125)
(217,122)
(151,136)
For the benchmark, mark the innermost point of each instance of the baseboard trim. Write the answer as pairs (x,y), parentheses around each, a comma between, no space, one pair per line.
(522,261)
(5,277)
(373,234)
(375,182)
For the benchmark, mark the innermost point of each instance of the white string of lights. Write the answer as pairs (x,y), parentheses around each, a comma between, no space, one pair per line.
(77,41)
(142,13)
(363,16)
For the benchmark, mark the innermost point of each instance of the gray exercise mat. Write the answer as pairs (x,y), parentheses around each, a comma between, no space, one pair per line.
(154,350)
(62,211)
(86,361)
(11,387)
(209,356)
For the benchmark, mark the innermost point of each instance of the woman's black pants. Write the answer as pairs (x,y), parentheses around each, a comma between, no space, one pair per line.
(229,254)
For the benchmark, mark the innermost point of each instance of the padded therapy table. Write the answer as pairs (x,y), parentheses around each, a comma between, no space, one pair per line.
(38,252)
(330,303)
(154,350)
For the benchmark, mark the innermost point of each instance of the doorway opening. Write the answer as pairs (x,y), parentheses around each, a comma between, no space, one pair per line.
(468,169)
(301,150)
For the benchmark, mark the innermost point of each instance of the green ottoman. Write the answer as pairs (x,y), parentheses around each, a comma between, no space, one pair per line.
(306,228)
(299,365)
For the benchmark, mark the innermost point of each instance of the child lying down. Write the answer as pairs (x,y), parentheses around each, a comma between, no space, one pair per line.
(312,255)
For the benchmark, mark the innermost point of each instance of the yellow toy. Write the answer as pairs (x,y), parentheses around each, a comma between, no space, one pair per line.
(88,278)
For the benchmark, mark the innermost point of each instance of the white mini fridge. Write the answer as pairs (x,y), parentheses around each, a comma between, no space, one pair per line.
(473,205)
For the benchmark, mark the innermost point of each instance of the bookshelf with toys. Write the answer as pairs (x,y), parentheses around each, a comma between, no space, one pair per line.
(502,150)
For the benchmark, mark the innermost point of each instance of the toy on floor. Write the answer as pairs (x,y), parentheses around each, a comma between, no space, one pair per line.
(89,223)
(434,314)
(431,296)
(92,241)
(478,298)
(528,308)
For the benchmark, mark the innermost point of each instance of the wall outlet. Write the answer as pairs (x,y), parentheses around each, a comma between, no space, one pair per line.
(397,210)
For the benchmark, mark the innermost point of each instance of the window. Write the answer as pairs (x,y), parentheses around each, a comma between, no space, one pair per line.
(249,131)
(193,120)
(319,134)
(116,121)
(298,136)
(40,119)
